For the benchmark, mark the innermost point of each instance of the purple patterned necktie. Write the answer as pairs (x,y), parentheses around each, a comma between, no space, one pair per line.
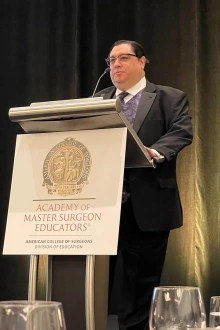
(122,95)
(130,107)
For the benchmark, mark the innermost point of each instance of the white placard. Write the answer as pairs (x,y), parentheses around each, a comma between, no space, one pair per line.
(66,193)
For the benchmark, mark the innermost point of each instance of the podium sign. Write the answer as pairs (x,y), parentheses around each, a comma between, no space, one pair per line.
(66,193)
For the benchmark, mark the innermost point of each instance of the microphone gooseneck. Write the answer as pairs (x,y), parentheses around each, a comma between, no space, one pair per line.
(105,71)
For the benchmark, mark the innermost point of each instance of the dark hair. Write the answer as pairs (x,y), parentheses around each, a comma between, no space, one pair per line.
(136,47)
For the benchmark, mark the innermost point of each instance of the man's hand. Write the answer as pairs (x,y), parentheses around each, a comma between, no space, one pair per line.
(152,152)
(155,155)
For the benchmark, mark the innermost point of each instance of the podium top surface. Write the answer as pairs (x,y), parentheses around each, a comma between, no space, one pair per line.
(82,114)
(63,109)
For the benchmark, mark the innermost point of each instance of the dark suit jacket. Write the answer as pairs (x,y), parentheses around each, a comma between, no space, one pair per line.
(162,122)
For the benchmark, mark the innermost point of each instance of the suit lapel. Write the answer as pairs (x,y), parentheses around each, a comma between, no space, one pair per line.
(147,99)
(145,104)
(109,94)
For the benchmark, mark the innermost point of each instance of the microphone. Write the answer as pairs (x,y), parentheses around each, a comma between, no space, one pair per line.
(106,70)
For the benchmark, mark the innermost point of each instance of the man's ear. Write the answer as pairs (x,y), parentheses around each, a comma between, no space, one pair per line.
(143,61)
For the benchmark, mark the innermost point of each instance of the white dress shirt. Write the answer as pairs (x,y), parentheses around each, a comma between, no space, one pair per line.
(141,84)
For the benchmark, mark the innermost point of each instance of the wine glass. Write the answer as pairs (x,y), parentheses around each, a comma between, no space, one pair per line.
(31,315)
(177,307)
(214,316)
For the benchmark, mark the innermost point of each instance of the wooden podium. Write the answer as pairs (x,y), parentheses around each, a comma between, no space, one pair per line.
(80,282)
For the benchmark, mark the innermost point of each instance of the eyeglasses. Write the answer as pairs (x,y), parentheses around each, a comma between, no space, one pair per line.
(122,58)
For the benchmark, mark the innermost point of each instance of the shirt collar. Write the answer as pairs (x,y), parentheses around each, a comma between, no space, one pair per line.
(134,89)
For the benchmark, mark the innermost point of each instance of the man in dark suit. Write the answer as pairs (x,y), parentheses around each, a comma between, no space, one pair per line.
(151,207)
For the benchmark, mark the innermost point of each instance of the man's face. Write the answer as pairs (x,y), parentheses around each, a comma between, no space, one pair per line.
(125,74)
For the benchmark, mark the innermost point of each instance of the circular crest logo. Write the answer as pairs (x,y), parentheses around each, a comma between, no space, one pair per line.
(66,168)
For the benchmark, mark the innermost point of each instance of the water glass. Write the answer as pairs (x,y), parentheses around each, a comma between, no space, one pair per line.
(177,307)
(214,315)
(31,315)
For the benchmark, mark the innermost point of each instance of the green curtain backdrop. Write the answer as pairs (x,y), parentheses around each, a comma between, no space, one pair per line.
(55,49)
(194,251)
